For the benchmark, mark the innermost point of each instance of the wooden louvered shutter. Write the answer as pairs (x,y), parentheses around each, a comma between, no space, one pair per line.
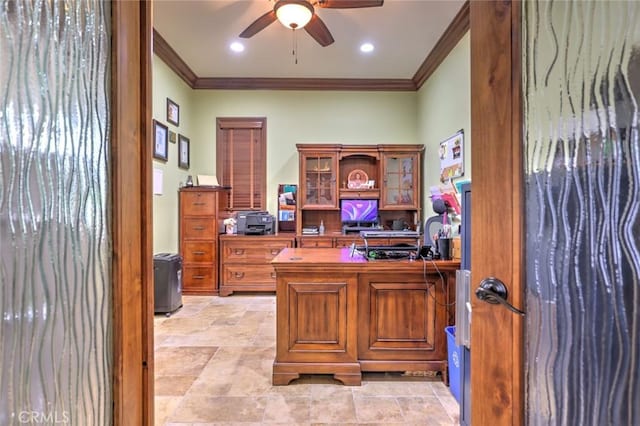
(241,161)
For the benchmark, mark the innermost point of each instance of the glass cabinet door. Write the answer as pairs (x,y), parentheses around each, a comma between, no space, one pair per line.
(400,181)
(319,171)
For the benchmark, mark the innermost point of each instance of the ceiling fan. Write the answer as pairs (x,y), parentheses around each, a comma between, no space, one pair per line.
(296,14)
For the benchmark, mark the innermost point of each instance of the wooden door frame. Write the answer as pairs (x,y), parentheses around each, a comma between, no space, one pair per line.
(131,215)
(497,350)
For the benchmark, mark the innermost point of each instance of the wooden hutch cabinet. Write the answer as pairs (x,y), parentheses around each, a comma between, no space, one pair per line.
(330,173)
(201,211)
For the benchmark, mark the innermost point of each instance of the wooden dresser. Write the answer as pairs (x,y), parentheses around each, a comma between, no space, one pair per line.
(245,261)
(201,210)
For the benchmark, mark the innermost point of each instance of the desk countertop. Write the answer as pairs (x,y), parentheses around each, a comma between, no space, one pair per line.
(319,258)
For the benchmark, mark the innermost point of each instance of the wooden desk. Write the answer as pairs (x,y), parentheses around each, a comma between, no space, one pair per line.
(343,315)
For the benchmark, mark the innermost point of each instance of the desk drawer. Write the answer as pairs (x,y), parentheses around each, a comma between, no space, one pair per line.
(315,242)
(247,274)
(199,252)
(196,278)
(198,204)
(235,252)
(195,228)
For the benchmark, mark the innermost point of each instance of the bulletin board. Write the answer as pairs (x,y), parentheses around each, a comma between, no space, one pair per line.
(452,157)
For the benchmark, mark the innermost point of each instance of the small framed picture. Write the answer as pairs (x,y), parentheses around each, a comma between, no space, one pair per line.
(183,152)
(173,112)
(173,138)
(160,141)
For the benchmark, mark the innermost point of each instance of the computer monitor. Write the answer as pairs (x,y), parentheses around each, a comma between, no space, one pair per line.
(358,211)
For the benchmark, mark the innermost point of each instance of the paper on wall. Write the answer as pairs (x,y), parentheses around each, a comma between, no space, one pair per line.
(157,181)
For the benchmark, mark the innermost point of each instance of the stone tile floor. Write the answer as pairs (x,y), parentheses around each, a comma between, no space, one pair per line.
(213,360)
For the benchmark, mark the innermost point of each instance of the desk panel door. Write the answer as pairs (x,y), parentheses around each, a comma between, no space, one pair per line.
(400,319)
(313,320)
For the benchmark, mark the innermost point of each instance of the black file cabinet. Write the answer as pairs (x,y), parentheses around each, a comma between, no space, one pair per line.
(167,278)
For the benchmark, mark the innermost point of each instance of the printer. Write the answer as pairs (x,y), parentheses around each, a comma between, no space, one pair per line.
(255,222)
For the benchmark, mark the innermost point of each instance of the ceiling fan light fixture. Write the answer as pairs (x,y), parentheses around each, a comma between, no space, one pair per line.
(294,14)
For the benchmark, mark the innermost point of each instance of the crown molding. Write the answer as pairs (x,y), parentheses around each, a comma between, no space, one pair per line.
(449,39)
(452,35)
(172,59)
(306,84)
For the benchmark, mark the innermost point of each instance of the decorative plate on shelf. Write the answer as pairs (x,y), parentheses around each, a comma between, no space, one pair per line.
(357,179)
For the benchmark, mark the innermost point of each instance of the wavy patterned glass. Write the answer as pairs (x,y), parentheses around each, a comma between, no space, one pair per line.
(581,79)
(55,257)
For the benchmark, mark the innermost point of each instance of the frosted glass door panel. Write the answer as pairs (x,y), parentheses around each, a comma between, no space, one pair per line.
(581,79)
(55,257)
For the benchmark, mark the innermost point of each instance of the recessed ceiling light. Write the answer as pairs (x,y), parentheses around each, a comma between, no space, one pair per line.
(237,47)
(366,48)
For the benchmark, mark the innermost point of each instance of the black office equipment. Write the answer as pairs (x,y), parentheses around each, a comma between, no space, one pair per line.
(167,280)
(255,222)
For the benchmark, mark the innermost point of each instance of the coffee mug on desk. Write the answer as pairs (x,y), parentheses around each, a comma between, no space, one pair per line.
(444,248)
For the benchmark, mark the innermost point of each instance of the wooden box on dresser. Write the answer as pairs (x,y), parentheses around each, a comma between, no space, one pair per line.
(201,210)
(245,261)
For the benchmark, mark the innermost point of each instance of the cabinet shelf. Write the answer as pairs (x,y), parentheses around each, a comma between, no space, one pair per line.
(373,193)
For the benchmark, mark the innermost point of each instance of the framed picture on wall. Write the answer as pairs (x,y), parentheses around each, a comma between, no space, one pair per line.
(452,157)
(160,141)
(183,152)
(173,112)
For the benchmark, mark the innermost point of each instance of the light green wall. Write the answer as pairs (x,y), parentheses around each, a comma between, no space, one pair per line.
(444,107)
(438,110)
(166,84)
(303,117)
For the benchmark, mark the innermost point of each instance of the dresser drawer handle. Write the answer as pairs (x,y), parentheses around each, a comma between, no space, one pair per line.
(199,204)
(198,228)
(198,253)
(275,251)
(238,251)
(273,275)
(238,274)
(198,277)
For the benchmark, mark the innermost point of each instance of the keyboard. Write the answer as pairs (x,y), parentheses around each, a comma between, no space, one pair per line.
(389,234)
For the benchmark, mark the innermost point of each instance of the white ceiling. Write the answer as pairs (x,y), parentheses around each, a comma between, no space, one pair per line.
(403,32)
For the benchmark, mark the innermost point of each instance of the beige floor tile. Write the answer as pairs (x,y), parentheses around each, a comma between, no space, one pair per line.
(214,362)
(173,385)
(377,409)
(333,408)
(200,408)
(164,408)
(398,388)
(183,326)
(287,409)
(182,361)
(424,409)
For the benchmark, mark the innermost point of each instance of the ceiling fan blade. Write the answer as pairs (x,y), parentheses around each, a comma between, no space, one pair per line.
(319,31)
(349,4)
(259,24)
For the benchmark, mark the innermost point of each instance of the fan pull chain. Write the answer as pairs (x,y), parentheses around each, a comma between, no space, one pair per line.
(294,42)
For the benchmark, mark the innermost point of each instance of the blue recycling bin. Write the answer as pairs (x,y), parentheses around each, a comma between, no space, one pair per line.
(455,355)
